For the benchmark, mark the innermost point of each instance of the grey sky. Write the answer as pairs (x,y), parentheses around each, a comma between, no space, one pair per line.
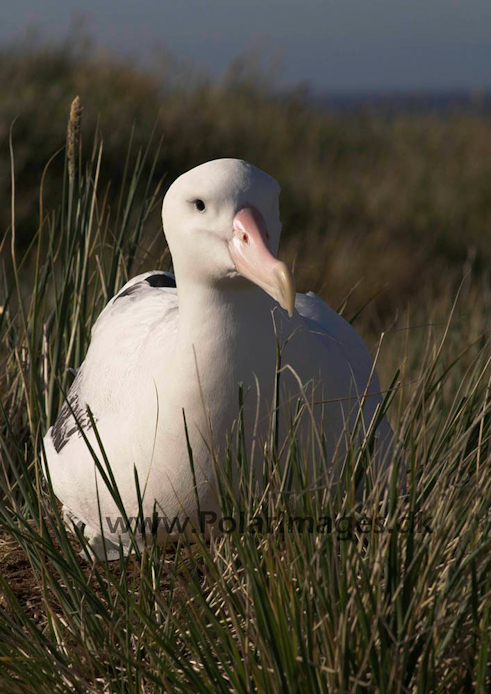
(333,44)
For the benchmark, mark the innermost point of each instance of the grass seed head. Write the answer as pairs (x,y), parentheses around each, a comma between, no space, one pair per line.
(73,137)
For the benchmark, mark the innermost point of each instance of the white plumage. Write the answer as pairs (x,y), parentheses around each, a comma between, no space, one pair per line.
(157,350)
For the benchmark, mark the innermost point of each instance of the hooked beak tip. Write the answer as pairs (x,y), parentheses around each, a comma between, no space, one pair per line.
(286,287)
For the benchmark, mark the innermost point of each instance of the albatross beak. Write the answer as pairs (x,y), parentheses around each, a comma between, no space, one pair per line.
(252,256)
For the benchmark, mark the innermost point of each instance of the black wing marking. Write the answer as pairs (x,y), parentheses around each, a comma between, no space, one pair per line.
(161,279)
(158,279)
(66,424)
(134,289)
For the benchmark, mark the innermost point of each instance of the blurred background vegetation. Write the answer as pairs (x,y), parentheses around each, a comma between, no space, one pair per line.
(392,204)
(396,205)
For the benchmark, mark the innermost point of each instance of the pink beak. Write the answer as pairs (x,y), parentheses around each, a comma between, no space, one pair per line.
(253,258)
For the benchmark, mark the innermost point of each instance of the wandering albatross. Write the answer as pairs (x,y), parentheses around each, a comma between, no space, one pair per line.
(163,346)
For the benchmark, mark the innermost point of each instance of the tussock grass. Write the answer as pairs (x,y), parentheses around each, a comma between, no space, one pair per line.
(367,604)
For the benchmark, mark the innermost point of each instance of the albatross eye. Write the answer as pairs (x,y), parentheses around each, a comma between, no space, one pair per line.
(200,205)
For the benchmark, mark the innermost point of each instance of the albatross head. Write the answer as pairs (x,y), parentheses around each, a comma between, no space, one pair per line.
(222,223)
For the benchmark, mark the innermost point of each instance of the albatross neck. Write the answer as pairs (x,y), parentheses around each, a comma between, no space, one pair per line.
(211,312)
